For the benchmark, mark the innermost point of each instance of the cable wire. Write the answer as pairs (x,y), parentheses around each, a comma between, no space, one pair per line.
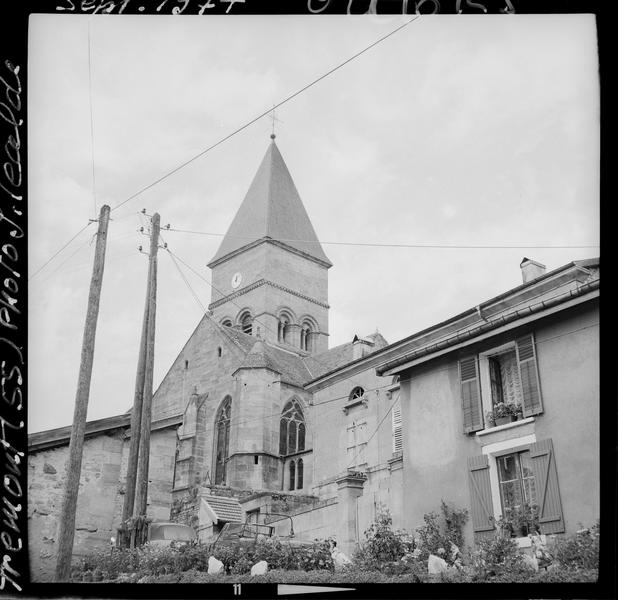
(94,187)
(58,252)
(249,123)
(388,245)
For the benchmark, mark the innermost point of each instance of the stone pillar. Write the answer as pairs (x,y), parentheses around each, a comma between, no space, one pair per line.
(349,488)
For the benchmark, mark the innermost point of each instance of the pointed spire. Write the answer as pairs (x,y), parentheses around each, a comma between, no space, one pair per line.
(272,210)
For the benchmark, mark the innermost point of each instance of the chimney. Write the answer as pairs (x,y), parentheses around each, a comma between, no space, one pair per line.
(360,347)
(530,269)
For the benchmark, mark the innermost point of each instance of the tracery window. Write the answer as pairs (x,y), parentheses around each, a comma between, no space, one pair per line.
(222,440)
(292,429)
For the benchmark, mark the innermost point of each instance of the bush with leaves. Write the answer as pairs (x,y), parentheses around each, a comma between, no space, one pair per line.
(439,531)
(383,545)
(580,550)
(110,562)
(497,556)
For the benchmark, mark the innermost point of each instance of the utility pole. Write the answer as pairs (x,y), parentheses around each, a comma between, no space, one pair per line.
(141,491)
(66,534)
(136,415)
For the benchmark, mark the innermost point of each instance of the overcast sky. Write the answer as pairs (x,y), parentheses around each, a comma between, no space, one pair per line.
(457,130)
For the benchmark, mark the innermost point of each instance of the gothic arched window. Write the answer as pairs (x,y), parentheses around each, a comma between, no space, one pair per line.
(226,323)
(222,440)
(292,429)
(292,474)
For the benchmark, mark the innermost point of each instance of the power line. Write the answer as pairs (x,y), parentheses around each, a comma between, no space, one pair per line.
(390,245)
(58,251)
(94,193)
(185,280)
(284,101)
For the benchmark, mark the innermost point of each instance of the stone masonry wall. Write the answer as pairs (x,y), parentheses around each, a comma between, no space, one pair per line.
(95,507)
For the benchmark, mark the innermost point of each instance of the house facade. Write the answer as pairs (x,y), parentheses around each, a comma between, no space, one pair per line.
(536,347)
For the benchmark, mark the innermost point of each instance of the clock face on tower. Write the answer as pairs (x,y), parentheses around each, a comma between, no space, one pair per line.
(236,279)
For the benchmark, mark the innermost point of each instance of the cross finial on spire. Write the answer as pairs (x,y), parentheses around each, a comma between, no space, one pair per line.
(273,119)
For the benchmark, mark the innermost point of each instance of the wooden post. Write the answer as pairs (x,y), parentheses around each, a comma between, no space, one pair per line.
(141,492)
(136,419)
(66,531)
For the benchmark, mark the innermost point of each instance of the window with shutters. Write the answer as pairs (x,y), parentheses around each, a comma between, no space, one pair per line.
(397,424)
(505,374)
(510,474)
(516,481)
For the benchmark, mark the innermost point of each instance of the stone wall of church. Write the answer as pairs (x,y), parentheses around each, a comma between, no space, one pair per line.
(254,449)
(198,365)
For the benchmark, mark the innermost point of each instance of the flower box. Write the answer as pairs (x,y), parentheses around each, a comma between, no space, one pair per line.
(503,413)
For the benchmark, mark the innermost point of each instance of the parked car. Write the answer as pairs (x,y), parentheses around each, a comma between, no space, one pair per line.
(163,534)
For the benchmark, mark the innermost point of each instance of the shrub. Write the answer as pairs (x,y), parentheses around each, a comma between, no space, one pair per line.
(580,550)
(497,556)
(382,544)
(109,561)
(439,531)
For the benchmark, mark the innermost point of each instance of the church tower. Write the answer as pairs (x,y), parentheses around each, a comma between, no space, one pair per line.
(270,273)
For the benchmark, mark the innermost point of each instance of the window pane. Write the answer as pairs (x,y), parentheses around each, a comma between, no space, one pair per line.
(507,467)
(496,381)
(527,475)
(299,477)
(292,474)
(511,495)
(283,434)
(301,437)
(292,437)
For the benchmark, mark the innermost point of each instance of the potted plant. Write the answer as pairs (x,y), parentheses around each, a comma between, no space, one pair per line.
(520,521)
(504,412)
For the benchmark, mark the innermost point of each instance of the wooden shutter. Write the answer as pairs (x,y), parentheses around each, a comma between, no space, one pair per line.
(397,427)
(546,484)
(481,505)
(470,395)
(529,376)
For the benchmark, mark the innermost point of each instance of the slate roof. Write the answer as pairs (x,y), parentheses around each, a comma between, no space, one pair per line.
(288,364)
(297,369)
(226,509)
(272,209)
